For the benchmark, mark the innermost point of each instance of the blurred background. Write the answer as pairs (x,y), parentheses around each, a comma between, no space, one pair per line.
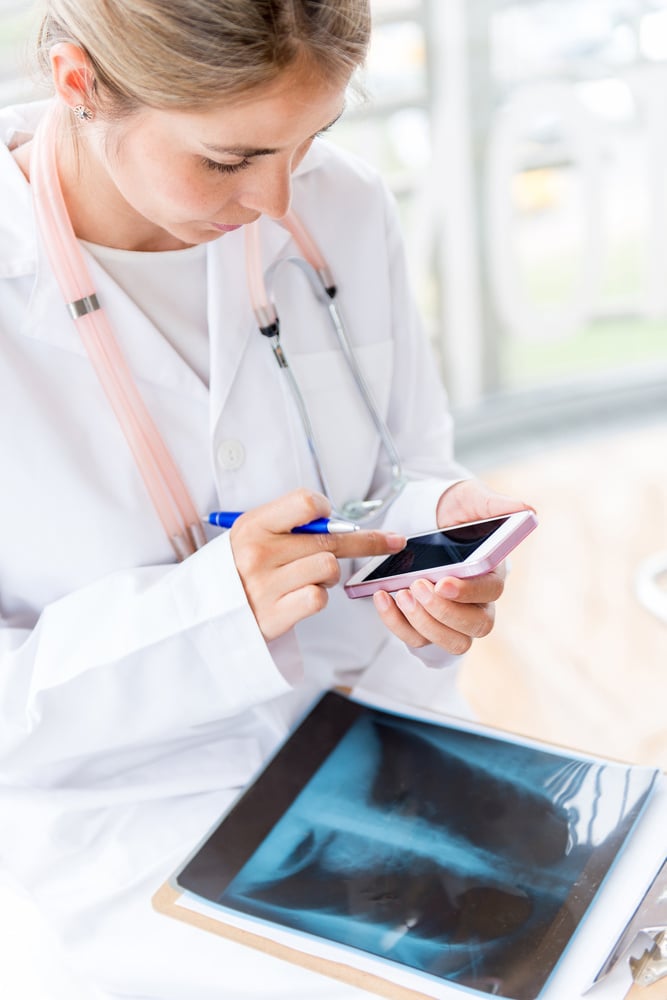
(526,143)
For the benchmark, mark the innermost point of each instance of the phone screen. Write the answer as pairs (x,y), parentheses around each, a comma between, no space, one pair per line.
(440,548)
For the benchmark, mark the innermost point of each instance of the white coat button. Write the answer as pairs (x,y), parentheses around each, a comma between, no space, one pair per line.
(231,454)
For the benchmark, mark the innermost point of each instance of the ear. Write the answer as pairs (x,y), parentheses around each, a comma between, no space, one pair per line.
(72,74)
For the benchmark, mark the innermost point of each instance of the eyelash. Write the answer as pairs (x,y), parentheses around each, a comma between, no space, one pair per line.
(233,168)
(226,168)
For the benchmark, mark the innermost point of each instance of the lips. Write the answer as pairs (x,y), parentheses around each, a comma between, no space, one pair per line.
(224,229)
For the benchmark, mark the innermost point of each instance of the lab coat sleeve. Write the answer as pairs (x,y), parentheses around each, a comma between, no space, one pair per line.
(177,647)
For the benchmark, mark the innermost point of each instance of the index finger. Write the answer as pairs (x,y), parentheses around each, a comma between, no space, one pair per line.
(357,545)
(290,511)
(363,544)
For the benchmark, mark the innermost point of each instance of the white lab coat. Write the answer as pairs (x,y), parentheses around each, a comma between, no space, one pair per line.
(137,695)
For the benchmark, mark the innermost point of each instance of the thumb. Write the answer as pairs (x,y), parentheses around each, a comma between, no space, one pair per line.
(472,500)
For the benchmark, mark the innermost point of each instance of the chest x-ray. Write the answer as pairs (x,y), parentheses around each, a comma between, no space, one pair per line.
(465,857)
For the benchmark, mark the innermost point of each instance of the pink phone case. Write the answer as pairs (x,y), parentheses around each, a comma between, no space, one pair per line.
(474,566)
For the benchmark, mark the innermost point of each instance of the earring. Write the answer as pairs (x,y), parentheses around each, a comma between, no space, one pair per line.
(83,113)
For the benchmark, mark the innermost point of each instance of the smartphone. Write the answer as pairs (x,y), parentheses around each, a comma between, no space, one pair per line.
(462,550)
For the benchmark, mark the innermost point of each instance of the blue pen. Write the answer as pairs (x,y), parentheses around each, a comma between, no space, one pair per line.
(320,526)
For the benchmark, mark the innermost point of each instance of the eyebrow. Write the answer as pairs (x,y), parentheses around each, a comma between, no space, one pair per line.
(248,152)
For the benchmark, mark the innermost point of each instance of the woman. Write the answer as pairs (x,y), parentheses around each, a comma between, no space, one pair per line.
(140,690)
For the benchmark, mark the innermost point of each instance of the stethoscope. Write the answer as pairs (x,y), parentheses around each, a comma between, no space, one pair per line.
(163,480)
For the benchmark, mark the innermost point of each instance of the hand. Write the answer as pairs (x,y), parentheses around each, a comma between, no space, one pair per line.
(452,612)
(471,500)
(286,577)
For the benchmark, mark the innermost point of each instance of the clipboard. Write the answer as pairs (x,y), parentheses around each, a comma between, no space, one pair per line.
(166,901)
(269,875)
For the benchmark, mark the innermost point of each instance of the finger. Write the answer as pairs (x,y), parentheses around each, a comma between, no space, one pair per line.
(288,548)
(434,631)
(255,534)
(280,516)
(473,589)
(415,628)
(320,569)
(315,568)
(364,544)
(428,632)
(424,606)
(471,500)
(290,609)
(292,592)
(290,511)
(396,621)
(296,605)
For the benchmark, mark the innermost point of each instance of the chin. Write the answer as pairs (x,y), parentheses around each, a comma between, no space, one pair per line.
(203,235)
(179,240)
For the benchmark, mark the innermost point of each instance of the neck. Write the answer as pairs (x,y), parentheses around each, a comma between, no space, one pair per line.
(97,210)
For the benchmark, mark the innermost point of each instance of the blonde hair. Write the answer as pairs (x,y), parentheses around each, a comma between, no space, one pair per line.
(189,53)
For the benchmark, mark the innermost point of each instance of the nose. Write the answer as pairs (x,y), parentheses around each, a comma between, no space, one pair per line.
(269,191)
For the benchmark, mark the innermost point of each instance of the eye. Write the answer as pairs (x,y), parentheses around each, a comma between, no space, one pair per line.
(226,168)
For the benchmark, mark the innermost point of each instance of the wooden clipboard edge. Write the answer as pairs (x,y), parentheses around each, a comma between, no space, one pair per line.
(165,901)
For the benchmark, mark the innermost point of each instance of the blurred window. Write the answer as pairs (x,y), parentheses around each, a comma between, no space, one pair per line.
(18,26)
(527,144)
(575,161)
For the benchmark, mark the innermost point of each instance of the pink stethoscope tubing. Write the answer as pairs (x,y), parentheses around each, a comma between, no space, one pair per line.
(163,480)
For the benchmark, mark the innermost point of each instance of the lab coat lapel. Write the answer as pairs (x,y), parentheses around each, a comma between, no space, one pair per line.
(230,317)
(150,356)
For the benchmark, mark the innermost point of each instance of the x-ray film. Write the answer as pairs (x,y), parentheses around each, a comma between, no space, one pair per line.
(466,857)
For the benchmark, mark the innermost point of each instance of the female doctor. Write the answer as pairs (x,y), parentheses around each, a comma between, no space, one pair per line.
(148,665)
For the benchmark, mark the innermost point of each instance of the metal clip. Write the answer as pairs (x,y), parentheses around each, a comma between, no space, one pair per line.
(648,921)
(652,964)
(81,307)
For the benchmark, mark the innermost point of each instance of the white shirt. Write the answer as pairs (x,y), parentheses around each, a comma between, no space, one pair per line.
(169,286)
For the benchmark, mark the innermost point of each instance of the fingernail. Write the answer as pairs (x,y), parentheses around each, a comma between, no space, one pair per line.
(423,591)
(447,588)
(406,601)
(382,601)
(395,542)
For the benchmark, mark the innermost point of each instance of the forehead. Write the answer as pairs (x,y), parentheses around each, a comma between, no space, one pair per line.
(290,109)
